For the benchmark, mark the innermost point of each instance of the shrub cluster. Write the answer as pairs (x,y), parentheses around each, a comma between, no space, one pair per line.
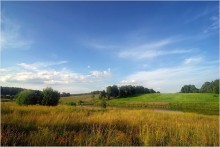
(47,97)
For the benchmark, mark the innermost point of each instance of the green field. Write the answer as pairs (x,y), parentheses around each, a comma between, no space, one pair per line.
(203,103)
(85,98)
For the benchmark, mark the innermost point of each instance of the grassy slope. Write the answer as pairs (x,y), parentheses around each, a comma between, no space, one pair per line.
(192,102)
(203,103)
(92,126)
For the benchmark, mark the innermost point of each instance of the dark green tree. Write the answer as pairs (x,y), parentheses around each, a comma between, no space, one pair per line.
(210,87)
(114,91)
(39,96)
(122,91)
(215,86)
(50,97)
(109,92)
(189,89)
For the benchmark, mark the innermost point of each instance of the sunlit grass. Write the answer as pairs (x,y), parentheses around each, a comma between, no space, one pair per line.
(70,125)
(203,103)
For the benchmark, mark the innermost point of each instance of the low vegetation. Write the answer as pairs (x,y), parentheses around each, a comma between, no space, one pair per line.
(90,126)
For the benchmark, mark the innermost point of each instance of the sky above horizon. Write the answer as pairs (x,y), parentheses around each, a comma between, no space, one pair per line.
(80,47)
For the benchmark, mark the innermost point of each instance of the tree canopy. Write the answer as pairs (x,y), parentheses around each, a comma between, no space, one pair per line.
(210,87)
(26,97)
(189,89)
(50,97)
(207,87)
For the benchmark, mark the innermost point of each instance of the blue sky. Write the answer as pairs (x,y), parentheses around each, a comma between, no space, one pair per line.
(79,47)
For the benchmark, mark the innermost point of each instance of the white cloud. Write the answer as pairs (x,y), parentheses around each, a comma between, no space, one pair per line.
(3,70)
(12,36)
(172,79)
(27,66)
(98,74)
(44,74)
(128,82)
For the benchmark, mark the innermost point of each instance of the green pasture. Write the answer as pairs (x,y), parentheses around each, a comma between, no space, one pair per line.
(203,103)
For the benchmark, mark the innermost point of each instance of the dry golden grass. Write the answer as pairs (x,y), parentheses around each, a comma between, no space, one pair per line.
(69,125)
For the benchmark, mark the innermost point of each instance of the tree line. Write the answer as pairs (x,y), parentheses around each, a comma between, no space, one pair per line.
(123,91)
(10,92)
(207,87)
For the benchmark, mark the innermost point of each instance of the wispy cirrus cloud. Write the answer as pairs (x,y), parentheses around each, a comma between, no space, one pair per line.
(193,60)
(37,65)
(12,35)
(214,25)
(196,16)
(152,50)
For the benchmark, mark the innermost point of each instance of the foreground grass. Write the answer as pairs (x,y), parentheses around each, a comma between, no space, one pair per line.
(68,125)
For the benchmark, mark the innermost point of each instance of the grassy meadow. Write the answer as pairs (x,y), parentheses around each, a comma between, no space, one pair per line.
(147,120)
(87,125)
(202,103)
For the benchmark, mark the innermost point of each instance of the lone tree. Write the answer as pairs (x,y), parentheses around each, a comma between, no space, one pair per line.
(50,97)
(102,96)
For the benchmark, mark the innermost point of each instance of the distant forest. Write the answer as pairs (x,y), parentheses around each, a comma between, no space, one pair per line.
(207,87)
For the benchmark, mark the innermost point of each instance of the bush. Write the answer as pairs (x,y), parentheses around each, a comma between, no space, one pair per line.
(50,97)
(80,102)
(103,103)
(26,97)
(72,103)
